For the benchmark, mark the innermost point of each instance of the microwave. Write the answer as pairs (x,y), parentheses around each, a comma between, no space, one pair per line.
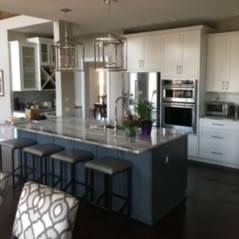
(219,108)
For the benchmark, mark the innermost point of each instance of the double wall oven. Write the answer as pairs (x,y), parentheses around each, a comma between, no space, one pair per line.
(179,104)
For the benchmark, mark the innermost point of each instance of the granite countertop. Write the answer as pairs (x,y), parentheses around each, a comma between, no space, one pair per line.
(92,132)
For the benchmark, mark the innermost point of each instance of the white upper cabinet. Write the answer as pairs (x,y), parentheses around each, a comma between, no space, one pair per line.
(43,45)
(181,53)
(222,62)
(143,52)
(24,63)
(45,75)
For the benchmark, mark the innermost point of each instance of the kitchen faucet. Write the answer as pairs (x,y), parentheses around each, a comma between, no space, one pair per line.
(116,102)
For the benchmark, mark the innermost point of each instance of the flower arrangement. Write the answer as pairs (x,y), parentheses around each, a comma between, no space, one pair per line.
(130,123)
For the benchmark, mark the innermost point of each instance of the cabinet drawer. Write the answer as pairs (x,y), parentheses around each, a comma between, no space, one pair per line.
(219,124)
(224,137)
(220,154)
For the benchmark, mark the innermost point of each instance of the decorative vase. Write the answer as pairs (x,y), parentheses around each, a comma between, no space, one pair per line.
(146,127)
(131,131)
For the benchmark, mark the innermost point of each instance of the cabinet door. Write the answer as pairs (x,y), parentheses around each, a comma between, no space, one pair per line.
(134,53)
(170,53)
(190,56)
(151,53)
(29,74)
(44,53)
(233,64)
(216,63)
(192,145)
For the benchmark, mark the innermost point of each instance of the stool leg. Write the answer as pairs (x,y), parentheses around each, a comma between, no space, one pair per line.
(53,171)
(33,169)
(13,168)
(61,173)
(129,191)
(41,169)
(21,164)
(25,164)
(109,196)
(92,183)
(72,179)
(0,158)
(106,188)
(86,184)
(45,170)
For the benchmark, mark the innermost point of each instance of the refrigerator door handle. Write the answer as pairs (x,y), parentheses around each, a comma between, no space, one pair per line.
(138,90)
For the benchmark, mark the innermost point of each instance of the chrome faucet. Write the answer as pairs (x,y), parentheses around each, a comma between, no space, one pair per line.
(116,102)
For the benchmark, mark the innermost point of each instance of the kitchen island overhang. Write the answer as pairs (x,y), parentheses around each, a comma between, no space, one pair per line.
(159,161)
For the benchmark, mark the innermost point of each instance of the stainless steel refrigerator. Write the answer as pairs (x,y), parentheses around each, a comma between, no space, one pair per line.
(142,85)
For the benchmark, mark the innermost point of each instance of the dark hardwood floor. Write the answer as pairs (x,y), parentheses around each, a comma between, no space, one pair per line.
(211,211)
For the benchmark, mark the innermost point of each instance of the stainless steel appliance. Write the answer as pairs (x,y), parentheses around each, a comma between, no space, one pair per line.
(179,91)
(179,104)
(142,85)
(219,108)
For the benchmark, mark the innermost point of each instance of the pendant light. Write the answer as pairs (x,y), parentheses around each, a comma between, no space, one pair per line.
(110,50)
(67,55)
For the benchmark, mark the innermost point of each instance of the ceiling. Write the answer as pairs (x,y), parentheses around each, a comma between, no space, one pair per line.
(91,16)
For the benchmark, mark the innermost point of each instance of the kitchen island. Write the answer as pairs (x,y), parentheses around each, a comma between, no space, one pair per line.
(159,161)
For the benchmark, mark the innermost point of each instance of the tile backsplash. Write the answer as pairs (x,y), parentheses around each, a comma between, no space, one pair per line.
(28,97)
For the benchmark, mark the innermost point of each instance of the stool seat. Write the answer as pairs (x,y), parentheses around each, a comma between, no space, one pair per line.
(72,156)
(108,165)
(17,143)
(43,149)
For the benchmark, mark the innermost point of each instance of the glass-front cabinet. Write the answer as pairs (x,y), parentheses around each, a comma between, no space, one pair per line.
(24,63)
(45,75)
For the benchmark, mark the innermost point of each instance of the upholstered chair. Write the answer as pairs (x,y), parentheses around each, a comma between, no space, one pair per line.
(44,213)
(4,178)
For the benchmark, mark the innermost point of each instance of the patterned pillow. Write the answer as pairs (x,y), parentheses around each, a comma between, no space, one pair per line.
(44,213)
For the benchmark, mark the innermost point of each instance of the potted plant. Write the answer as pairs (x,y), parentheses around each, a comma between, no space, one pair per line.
(147,114)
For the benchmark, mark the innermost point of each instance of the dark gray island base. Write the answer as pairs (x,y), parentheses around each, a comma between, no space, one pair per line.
(159,162)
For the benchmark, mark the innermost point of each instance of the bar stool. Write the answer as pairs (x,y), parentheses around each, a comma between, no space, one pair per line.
(43,151)
(13,145)
(71,157)
(109,166)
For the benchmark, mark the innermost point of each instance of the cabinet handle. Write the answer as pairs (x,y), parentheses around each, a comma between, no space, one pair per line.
(217,137)
(217,124)
(213,152)
(222,85)
(227,85)
(181,69)
(141,63)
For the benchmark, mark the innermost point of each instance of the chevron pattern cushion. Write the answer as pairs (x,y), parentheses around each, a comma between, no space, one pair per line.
(44,213)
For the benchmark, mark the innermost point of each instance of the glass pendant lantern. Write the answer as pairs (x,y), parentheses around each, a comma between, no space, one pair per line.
(110,50)
(67,55)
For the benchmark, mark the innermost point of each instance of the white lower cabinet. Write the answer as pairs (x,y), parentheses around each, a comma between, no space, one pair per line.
(192,146)
(218,142)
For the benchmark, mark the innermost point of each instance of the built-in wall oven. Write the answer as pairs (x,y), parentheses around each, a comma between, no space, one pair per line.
(179,104)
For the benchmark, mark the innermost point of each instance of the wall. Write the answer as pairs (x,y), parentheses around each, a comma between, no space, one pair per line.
(6,102)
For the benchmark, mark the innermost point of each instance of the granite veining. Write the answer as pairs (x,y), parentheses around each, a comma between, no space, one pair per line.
(92,132)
